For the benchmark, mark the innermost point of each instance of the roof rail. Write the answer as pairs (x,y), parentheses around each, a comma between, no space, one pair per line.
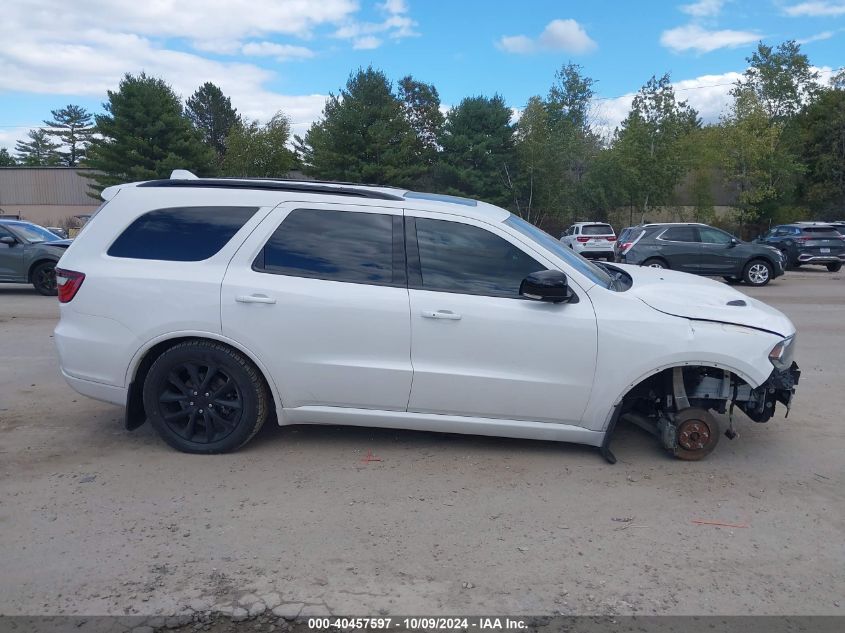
(272,185)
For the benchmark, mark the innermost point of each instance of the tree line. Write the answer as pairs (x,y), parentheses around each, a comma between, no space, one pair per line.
(778,149)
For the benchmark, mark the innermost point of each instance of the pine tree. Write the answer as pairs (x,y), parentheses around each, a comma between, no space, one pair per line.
(145,135)
(477,144)
(6,159)
(72,127)
(212,114)
(39,151)
(364,136)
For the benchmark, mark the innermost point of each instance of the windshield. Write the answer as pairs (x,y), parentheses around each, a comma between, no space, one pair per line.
(587,268)
(34,233)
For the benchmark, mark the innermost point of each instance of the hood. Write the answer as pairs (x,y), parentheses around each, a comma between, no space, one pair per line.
(63,244)
(694,297)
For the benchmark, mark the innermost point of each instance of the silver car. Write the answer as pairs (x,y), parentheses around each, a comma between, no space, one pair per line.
(28,255)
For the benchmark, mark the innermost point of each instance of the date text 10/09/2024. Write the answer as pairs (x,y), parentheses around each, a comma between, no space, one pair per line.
(419,623)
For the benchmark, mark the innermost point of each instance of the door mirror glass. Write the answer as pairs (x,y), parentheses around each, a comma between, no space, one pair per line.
(551,286)
(734,242)
(11,241)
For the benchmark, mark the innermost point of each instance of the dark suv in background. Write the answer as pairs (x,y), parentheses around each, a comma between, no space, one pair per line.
(809,243)
(699,249)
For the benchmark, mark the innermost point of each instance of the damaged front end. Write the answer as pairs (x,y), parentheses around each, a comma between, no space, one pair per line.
(677,404)
(759,404)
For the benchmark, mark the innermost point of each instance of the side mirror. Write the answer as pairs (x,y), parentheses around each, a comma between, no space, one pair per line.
(11,241)
(733,242)
(551,286)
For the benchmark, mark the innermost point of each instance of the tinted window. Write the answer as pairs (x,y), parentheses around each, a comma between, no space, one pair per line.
(597,229)
(821,231)
(713,236)
(680,234)
(461,258)
(181,234)
(333,245)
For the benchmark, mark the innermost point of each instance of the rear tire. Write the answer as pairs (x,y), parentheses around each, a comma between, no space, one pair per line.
(44,279)
(204,397)
(834,267)
(655,262)
(757,272)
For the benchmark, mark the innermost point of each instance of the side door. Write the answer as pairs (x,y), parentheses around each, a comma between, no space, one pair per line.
(11,258)
(680,247)
(567,237)
(478,348)
(319,292)
(719,254)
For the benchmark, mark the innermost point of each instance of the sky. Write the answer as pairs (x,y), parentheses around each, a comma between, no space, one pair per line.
(271,55)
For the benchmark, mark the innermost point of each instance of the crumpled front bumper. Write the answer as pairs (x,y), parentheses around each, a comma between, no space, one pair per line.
(780,387)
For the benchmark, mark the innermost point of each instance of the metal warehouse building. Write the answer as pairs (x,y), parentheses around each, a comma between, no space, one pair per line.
(45,195)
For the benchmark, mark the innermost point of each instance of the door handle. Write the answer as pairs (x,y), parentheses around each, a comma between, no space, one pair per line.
(254,299)
(441,314)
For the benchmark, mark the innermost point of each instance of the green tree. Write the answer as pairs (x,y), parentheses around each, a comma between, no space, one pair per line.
(650,144)
(212,114)
(6,159)
(144,135)
(477,150)
(781,78)
(72,127)
(259,151)
(421,105)
(38,151)
(820,132)
(364,135)
(754,160)
(534,183)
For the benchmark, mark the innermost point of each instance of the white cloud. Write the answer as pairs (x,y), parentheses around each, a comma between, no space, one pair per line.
(708,94)
(365,43)
(280,52)
(205,22)
(695,37)
(397,24)
(818,37)
(559,35)
(703,8)
(815,9)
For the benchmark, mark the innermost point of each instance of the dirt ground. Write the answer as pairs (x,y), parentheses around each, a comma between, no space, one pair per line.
(98,520)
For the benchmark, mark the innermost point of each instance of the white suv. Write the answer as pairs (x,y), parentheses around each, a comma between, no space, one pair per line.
(591,239)
(207,306)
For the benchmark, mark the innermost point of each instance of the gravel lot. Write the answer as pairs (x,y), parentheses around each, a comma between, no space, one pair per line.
(98,520)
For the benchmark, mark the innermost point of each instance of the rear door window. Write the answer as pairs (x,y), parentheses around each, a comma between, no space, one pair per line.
(336,245)
(597,229)
(181,234)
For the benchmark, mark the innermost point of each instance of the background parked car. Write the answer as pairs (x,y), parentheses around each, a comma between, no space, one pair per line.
(807,243)
(28,255)
(591,239)
(702,250)
(62,233)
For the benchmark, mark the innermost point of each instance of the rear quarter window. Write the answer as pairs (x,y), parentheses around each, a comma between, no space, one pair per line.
(180,234)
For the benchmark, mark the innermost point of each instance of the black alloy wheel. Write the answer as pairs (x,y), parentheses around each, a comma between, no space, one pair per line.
(44,279)
(205,397)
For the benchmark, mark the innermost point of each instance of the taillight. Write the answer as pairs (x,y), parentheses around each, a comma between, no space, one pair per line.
(804,238)
(626,246)
(611,239)
(68,283)
(583,240)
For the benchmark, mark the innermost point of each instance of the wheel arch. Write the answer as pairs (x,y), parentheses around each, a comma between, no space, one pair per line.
(634,384)
(36,263)
(150,351)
